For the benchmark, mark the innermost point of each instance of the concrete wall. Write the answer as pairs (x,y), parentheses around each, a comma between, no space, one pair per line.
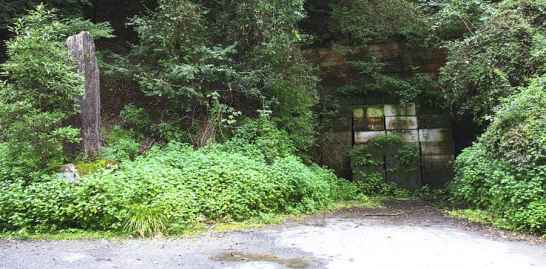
(371,116)
(433,140)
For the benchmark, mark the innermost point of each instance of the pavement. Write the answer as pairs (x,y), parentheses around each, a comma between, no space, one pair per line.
(404,235)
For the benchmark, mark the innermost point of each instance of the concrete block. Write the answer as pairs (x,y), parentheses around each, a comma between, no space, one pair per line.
(400,110)
(369,124)
(409,179)
(434,122)
(403,174)
(401,123)
(435,135)
(365,137)
(408,136)
(436,148)
(437,169)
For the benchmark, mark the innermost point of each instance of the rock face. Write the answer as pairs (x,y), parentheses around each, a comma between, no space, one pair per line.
(82,49)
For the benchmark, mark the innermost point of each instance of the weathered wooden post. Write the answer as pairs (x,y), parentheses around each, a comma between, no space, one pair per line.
(82,48)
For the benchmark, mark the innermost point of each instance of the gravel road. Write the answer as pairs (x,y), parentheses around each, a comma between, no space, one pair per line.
(403,235)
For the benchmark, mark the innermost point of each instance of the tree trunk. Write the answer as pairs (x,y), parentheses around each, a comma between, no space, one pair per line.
(82,48)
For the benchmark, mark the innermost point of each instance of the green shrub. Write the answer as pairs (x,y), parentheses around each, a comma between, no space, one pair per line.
(261,137)
(136,119)
(533,218)
(88,168)
(12,169)
(42,206)
(39,95)
(14,9)
(505,172)
(246,53)
(368,164)
(505,51)
(146,220)
(518,133)
(120,145)
(373,20)
(170,189)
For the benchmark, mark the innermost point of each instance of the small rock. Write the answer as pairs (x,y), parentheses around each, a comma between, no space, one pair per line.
(69,173)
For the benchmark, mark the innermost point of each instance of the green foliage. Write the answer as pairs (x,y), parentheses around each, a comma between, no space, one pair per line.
(88,168)
(368,163)
(140,122)
(361,24)
(473,215)
(170,189)
(371,20)
(505,171)
(374,78)
(41,87)
(242,55)
(136,119)
(175,60)
(12,9)
(435,195)
(455,18)
(13,169)
(120,145)
(146,220)
(260,137)
(517,134)
(491,62)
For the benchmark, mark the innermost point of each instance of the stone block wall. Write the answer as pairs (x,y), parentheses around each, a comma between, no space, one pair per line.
(432,139)
(336,136)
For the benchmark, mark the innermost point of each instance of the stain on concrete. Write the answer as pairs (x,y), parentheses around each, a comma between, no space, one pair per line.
(264,259)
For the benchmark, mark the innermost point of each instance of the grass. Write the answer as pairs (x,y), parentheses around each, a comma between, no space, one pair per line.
(472,215)
(480,217)
(72,234)
(199,229)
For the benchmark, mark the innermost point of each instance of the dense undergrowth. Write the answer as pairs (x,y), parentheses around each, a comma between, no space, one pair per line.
(505,171)
(177,152)
(172,188)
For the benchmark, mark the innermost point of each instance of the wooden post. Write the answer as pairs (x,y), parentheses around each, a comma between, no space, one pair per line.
(82,48)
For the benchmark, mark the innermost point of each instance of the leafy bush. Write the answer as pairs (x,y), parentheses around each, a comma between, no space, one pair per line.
(243,55)
(505,172)
(146,220)
(12,169)
(517,135)
(41,88)
(372,20)
(490,63)
(9,10)
(261,137)
(455,18)
(368,163)
(169,189)
(120,145)
(136,119)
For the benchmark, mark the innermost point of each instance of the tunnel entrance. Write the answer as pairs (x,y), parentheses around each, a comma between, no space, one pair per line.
(428,133)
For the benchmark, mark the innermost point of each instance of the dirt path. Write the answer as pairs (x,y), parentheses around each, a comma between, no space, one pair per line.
(404,235)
